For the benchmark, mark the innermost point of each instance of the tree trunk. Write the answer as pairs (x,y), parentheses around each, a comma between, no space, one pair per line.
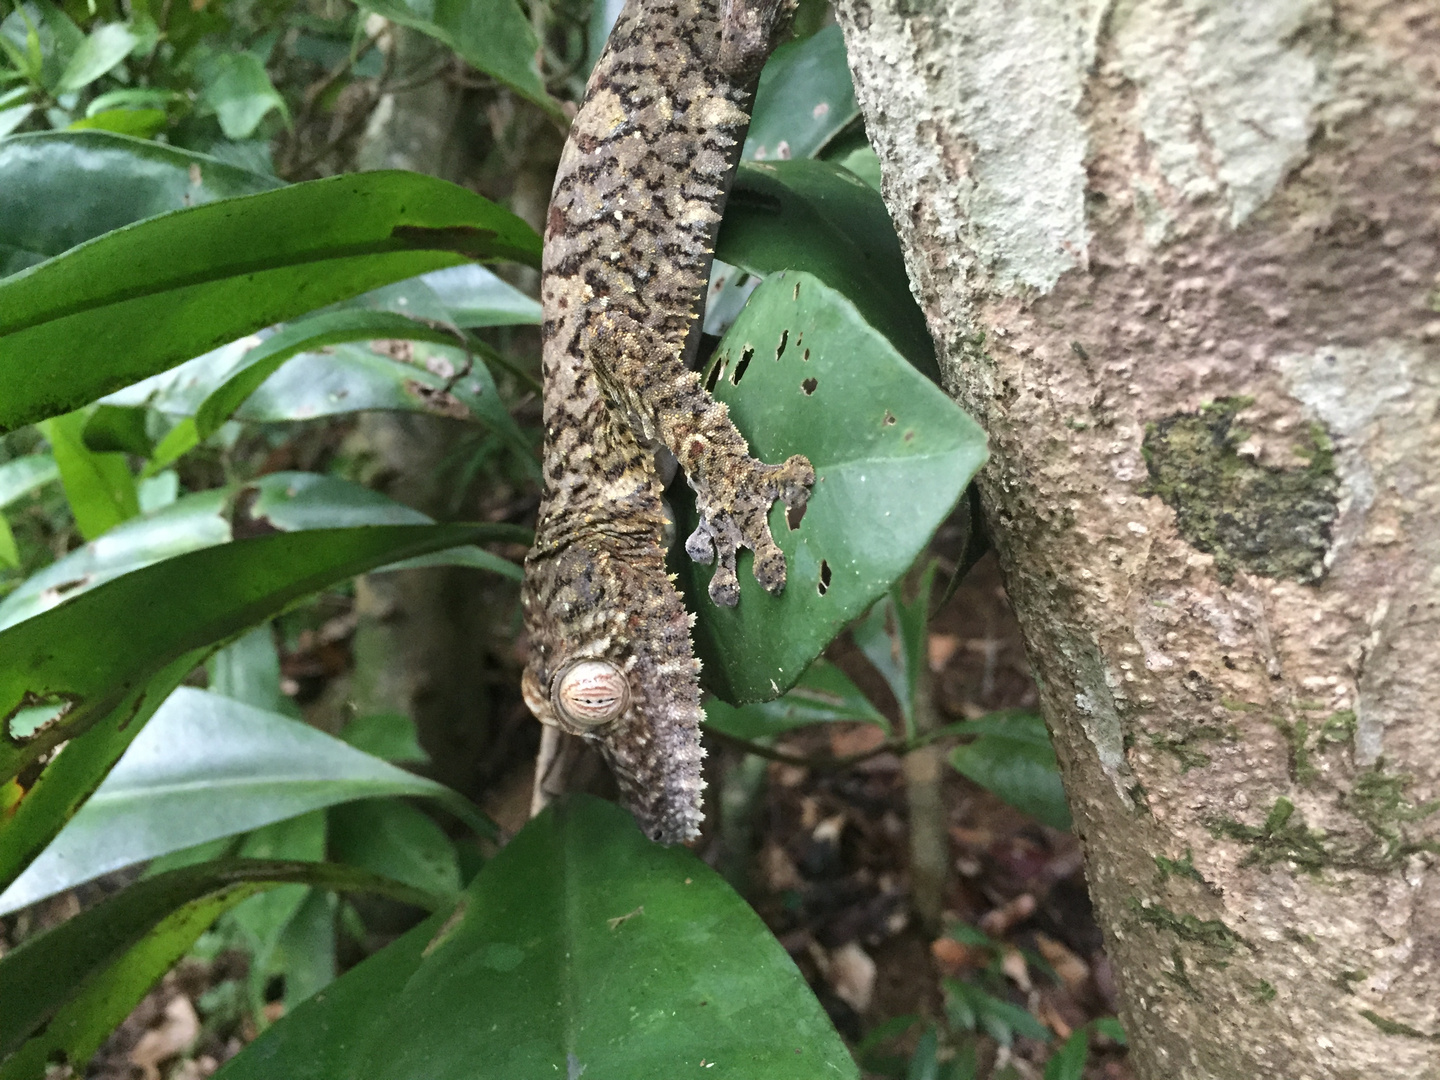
(1180,260)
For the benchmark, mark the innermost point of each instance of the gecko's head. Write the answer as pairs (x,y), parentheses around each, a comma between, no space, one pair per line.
(582,696)
(610,662)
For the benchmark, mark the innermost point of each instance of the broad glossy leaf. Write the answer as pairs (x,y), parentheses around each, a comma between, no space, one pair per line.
(289,502)
(99,487)
(395,840)
(581,946)
(108,180)
(1014,759)
(102,50)
(823,695)
(804,100)
(494,37)
(23,475)
(40,976)
(820,218)
(87,655)
(148,296)
(892,455)
(207,766)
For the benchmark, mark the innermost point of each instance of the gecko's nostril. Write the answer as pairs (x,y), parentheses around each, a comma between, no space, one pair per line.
(590,693)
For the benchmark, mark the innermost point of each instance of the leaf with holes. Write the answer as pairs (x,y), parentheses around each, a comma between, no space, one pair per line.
(803,373)
(820,218)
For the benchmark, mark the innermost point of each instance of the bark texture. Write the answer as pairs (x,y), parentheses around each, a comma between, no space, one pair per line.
(1180,259)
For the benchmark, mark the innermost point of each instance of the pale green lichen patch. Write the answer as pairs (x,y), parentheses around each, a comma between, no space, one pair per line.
(1392,1027)
(1283,838)
(1266,519)
(1379,800)
(1192,928)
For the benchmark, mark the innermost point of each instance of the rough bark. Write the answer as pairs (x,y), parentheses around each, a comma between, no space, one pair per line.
(1180,260)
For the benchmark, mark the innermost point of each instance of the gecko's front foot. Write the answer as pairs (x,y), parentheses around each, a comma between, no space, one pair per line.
(738,515)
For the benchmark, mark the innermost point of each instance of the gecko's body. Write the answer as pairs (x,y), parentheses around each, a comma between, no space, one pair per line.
(628,244)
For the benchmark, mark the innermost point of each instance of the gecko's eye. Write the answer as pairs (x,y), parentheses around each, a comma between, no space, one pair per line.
(589,693)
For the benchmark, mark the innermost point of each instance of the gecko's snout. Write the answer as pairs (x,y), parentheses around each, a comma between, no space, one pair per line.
(591,693)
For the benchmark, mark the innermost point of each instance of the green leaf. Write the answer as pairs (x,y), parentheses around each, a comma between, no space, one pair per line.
(494,37)
(248,670)
(240,92)
(9,551)
(289,502)
(1013,758)
(823,695)
(892,637)
(107,45)
(142,299)
(23,475)
(95,654)
(804,100)
(108,181)
(330,328)
(583,947)
(113,430)
(970,1007)
(818,217)
(40,976)
(78,1028)
(386,735)
(892,455)
(466,296)
(141,123)
(397,841)
(207,766)
(99,487)
(1068,1063)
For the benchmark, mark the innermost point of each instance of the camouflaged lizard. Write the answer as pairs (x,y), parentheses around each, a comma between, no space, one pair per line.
(628,246)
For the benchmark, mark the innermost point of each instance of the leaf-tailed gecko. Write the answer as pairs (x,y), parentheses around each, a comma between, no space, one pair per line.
(628,245)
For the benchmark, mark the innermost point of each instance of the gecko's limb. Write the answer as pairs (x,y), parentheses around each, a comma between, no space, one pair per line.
(663,402)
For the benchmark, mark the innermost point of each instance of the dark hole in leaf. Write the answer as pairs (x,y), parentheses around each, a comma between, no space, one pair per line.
(809,386)
(889,418)
(274,988)
(824,585)
(794,515)
(784,339)
(745,358)
(805,355)
(714,376)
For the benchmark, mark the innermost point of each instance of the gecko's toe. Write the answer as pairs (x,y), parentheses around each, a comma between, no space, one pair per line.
(794,481)
(770,568)
(725,585)
(700,545)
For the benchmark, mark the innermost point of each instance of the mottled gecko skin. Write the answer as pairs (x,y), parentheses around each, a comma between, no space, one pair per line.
(628,246)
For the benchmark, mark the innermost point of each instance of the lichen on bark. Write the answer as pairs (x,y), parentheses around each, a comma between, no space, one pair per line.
(1271,520)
